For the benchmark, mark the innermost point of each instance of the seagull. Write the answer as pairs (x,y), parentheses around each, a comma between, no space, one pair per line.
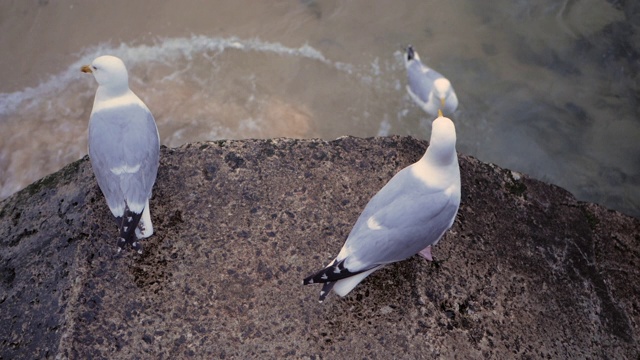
(124,148)
(427,87)
(408,215)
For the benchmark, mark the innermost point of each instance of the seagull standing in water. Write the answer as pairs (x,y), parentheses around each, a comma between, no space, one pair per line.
(408,215)
(124,148)
(427,87)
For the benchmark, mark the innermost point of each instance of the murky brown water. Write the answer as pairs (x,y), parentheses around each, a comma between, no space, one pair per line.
(549,88)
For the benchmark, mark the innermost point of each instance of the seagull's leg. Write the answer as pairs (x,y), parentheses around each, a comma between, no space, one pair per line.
(426,253)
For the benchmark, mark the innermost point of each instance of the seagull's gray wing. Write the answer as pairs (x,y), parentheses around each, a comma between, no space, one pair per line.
(421,79)
(397,225)
(124,150)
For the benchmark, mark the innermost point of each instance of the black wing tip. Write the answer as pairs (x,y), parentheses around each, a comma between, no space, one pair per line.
(316,277)
(328,277)
(321,276)
(326,289)
(410,53)
(121,244)
(135,245)
(330,274)
(127,224)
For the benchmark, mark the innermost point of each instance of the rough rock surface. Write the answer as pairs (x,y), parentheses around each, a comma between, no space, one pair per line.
(526,272)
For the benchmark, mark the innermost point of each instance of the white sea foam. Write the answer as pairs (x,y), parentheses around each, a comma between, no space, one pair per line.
(164,50)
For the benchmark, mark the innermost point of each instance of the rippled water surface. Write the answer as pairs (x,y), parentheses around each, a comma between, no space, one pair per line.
(549,88)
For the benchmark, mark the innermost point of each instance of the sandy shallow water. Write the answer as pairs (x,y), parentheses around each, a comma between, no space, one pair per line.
(548,88)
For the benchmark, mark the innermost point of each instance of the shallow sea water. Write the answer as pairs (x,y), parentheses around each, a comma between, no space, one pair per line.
(547,88)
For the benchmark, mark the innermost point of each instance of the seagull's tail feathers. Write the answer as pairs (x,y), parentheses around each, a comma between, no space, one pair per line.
(145,227)
(344,286)
(128,224)
(410,56)
(336,276)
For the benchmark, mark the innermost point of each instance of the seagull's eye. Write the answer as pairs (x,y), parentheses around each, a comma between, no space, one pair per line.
(94,68)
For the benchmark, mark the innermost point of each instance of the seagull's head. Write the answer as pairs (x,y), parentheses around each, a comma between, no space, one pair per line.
(442,89)
(443,130)
(109,72)
(442,145)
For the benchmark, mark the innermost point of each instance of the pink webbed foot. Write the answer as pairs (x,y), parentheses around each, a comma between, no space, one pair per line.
(426,253)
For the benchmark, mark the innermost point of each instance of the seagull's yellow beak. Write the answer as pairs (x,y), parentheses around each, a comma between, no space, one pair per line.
(442,102)
(86,69)
(440,113)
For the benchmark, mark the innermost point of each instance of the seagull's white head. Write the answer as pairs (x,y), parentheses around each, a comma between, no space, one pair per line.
(442,88)
(110,73)
(442,145)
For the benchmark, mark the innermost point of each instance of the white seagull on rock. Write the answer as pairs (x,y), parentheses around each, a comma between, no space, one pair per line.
(427,87)
(124,148)
(408,215)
